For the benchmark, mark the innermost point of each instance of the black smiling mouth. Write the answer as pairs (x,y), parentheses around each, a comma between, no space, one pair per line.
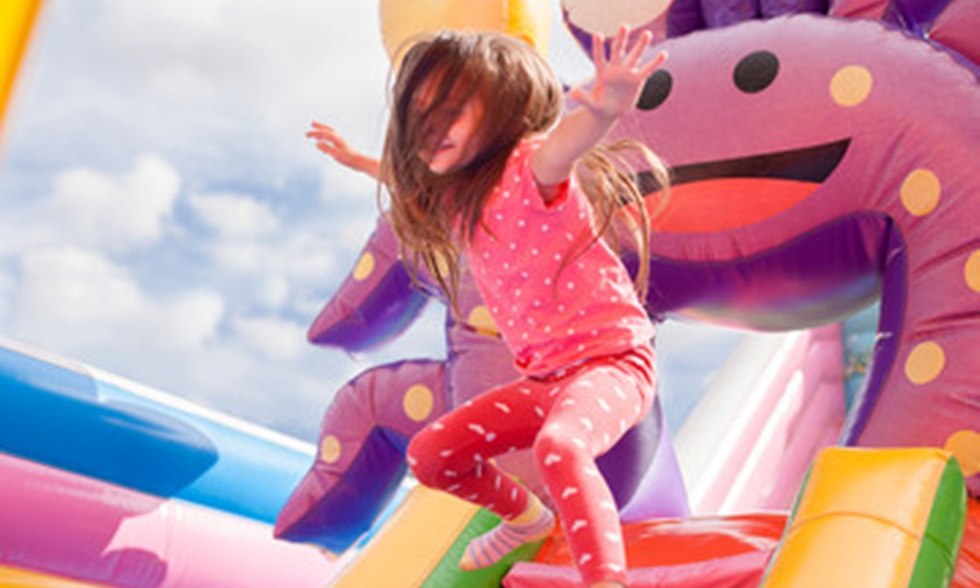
(809,164)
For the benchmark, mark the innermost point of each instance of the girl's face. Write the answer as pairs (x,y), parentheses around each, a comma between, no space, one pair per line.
(456,147)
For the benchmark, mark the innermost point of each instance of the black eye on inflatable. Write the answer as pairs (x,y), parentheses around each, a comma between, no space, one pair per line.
(756,71)
(655,90)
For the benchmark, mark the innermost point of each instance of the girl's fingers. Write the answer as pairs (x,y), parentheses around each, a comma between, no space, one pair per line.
(577,94)
(637,49)
(619,45)
(653,64)
(319,127)
(321,135)
(324,133)
(598,51)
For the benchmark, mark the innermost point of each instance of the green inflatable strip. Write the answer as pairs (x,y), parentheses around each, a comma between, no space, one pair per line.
(789,525)
(447,573)
(935,563)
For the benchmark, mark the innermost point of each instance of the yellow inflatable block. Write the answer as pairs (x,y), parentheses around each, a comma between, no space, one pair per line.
(874,519)
(421,544)
(412,542)
(403,20)
(16,18)
(11,578)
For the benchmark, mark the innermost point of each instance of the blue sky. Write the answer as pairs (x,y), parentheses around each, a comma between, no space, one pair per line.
(166,220)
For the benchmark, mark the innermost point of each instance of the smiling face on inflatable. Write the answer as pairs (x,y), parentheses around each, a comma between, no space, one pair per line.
(820,164)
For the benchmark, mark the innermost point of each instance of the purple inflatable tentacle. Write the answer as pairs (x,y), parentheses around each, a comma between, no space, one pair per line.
(583,38)
(683,17)
(956,28)
(893,300)
(915,16)
(381,315)
(773,8)
(723,13)
(360,458)
(376,302)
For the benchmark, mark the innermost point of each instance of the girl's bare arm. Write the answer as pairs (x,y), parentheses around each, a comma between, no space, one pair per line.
(616,88)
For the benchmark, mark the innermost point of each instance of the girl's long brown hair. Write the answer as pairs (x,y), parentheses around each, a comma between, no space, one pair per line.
(520,95)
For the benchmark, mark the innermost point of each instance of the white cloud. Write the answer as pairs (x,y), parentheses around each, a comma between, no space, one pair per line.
(273,292)
(308,255)
(69,286)
(81,296)
(7,285)
(277,339)
(339,184)
(298,256)
(189,320)
(235,215)
(253,72)
(95,209)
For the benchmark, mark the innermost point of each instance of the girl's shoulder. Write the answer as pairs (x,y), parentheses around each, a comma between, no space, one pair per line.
(518,164)
(531,142)
(520,155)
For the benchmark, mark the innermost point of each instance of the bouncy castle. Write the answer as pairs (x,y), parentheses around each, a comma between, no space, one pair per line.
(813,183)
(823,155)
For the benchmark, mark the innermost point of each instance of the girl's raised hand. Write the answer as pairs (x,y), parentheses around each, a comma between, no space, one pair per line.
(620,78)
(329,141)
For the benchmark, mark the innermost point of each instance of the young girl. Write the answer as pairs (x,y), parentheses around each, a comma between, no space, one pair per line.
(479,162)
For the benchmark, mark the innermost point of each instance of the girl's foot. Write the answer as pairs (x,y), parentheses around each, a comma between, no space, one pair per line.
(534,524)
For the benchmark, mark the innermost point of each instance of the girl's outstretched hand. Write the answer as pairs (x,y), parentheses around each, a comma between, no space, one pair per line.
(329,141)
(618,79)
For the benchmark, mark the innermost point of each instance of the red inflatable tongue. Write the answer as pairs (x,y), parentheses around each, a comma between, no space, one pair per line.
(727,203)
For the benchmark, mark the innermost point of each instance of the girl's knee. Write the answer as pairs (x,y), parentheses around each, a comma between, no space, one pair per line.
(553,445)
(423,458)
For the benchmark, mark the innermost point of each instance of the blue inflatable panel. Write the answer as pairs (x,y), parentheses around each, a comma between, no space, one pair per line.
(70,417)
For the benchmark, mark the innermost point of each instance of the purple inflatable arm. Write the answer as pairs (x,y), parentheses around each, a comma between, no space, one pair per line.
(375,303)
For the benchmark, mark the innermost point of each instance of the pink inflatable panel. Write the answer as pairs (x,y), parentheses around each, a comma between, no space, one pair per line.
(60,523)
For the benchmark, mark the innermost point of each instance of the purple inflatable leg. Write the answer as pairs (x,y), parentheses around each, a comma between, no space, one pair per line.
(661,492)
(360,461)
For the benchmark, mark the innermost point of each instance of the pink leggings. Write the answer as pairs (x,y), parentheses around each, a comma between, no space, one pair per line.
(569,421)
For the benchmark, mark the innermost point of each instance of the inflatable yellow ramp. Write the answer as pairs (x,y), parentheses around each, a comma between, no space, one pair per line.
(420,545)
(874,518)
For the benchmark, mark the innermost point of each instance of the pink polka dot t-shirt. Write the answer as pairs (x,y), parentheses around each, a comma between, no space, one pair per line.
(552,312)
